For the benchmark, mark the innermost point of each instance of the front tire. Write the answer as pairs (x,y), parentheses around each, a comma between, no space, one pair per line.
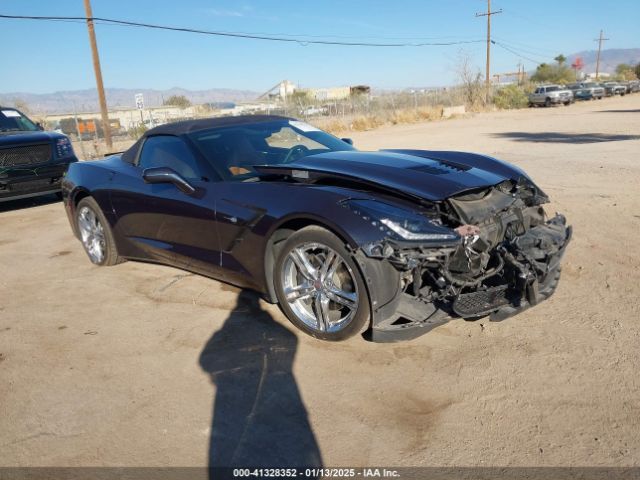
(319,286)
(95,233)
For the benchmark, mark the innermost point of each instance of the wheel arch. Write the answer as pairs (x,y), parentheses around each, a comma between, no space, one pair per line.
(78,195)
(283,230)
(74,198)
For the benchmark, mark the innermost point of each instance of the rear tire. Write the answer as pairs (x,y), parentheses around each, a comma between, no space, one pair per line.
(95,233)
(547,102)
(319,285)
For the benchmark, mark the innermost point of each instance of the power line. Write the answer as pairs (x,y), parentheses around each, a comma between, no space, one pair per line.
(272,38)
(537,51)
(505,47)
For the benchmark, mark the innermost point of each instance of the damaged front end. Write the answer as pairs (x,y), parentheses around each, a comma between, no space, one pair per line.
(488,252)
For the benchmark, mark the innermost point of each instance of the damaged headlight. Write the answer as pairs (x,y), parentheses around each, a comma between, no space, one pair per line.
(405,224)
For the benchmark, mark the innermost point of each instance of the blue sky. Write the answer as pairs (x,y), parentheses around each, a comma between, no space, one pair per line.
(41,57)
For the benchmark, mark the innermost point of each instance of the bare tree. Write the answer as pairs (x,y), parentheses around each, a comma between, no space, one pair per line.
(470,79)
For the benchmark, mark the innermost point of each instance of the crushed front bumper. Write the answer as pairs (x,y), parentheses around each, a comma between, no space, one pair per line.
(399,316)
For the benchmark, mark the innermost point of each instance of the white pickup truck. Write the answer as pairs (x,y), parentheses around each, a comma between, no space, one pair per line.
(548,95)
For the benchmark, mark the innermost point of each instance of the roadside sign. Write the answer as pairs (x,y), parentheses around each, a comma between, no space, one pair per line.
(139,101)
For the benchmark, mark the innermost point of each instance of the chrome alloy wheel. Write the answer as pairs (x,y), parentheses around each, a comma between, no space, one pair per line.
(320,287)
(92,234)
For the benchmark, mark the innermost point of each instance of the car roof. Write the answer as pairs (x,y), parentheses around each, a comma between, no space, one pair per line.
(187,126)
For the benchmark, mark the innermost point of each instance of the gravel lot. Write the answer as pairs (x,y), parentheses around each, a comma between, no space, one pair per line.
(138,364)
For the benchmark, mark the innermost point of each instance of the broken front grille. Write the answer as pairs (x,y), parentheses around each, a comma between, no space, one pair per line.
(25,155)
(481,302)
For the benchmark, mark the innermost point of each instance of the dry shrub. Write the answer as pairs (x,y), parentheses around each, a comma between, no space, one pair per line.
(430,113)
(331,125)
(371,121)
(368,122)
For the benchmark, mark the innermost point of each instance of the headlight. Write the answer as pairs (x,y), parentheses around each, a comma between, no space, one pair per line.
(64,148)
(404,224)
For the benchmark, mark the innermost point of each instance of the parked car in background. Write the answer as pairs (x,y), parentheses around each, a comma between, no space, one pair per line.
(32,162)
(614,88)
(393,242)
(632,86)
(587,90)
(548,95)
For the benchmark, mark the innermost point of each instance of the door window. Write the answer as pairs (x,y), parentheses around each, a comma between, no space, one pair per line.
(172,152)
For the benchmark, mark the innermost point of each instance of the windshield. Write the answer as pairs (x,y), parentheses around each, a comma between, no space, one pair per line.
(13,121)
(232,151)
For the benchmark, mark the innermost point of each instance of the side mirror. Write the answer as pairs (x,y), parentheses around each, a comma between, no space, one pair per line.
(167,175)
(347,140)
(40,127)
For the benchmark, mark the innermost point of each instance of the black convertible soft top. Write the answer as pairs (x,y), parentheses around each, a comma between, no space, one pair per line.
(188,126)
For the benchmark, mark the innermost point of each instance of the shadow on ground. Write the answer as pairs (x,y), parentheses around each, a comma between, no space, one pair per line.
(259,418)
(557,137)
(9,205)
(633,110)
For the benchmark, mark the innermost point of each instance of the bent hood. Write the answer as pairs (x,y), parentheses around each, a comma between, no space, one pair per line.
(432,176)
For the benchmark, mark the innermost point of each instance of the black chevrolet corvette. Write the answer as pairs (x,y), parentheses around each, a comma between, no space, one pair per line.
(389,243)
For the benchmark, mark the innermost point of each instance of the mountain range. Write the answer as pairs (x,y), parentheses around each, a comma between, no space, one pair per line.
(87,100)
(609,59)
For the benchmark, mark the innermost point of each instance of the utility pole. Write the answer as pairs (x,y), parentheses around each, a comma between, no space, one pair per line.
(599,40)
(104,113)
(75,117)
(488,72)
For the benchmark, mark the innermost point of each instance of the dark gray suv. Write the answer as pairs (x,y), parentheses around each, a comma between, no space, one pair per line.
(32,161)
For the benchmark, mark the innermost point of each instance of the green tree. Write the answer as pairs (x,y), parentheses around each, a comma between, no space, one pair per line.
(625,72)
(623,67)
(637,70)
(177,101)
(546,73)
(560,59)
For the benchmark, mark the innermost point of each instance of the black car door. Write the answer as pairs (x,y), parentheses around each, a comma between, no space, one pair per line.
(159,221)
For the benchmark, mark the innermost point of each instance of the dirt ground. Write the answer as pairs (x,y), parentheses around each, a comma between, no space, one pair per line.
(138,364)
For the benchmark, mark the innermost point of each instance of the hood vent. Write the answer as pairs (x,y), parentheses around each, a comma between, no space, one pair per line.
(431,169)
(440,167)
